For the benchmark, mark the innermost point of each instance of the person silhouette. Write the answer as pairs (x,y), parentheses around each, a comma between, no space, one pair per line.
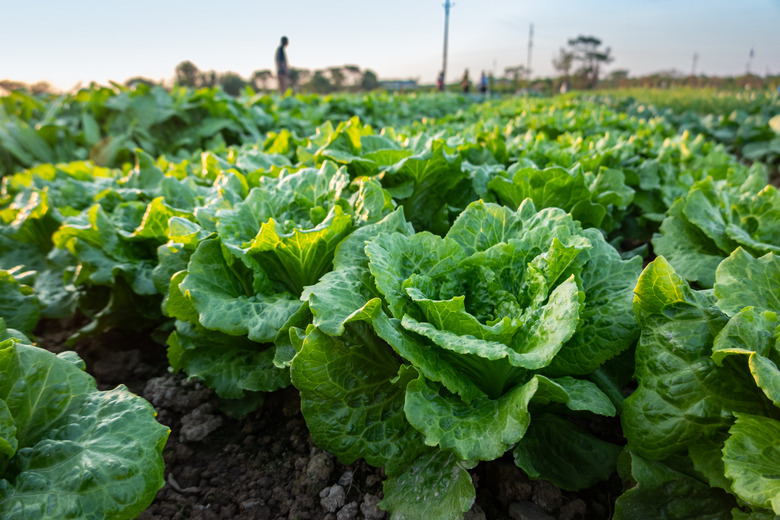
(282,70)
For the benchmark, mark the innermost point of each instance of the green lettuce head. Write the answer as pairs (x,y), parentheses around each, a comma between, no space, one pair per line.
(504,312)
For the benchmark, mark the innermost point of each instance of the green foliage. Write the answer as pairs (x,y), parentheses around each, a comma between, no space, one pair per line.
(66,449)
(442,281)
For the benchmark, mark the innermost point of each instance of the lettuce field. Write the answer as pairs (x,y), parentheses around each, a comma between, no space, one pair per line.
(381,306)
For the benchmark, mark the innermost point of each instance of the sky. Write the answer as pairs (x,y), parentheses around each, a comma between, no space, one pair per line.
(68,43)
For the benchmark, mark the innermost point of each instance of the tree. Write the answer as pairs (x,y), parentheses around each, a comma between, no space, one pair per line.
(319,83)
(231,83)
(187,74)
(298,77)
(587,51)
(139,80)
(369,81)
(354,75)
(515,73)
(208,79)
(337,77)
(563,62)
(260,79)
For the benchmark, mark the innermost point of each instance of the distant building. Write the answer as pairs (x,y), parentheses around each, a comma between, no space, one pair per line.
(399,84)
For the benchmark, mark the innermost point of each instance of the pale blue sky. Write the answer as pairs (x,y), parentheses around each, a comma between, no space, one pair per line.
(99,40)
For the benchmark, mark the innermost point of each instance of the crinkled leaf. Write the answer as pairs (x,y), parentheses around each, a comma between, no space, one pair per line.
(81,453)
(231,365)
(752,459)
(395,257)
(558,451)
(607,324)
(300,258)
(751,334)
(351,250)
(337,295)
(687,248)
(221,289)
(436,485)
(19,306)
(352,397)
(742,281)
(682,394)
(661,492)
(485,428)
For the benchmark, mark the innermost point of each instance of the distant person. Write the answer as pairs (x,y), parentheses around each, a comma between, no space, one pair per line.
(440,82)
(282,70)
(483,84)
(465,83)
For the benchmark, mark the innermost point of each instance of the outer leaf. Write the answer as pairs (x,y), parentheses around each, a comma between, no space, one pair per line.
(664,493)
(221,289)
(556,450)
(351,250)
(707,457)
(352,397)
(337,295)
(682,394)
(485,428)
(436,485)
(687,248)
(231,365)
(18,305)
(750,334)
(608,326)
(752,459)
(742,281)
(81,453)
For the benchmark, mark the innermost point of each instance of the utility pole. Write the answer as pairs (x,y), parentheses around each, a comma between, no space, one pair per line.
(750,60)
(447,5)
(530,47)
(695,59)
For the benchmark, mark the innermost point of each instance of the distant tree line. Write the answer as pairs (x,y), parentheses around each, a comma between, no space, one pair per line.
(580,66)
(346,78)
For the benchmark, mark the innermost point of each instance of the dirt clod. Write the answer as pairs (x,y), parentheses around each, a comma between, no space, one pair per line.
(332,498)
(527,511)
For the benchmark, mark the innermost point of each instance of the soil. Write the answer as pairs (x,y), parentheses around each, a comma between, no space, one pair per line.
(265,465)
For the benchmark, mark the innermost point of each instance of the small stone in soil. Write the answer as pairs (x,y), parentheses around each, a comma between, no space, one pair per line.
(346,479)
(332,498)
(475,513)
(574,510)
(370,509)
(348,512)
(527,511)
(547,496)
(319,468)
(198,424)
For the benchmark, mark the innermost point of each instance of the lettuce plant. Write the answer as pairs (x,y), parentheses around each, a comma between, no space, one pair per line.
(429,354)
(596,200)
(242,282)
(713,219)
(706,413)
(19,304)
(68,450)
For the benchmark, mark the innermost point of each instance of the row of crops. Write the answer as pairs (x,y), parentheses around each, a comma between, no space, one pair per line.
(442,282)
